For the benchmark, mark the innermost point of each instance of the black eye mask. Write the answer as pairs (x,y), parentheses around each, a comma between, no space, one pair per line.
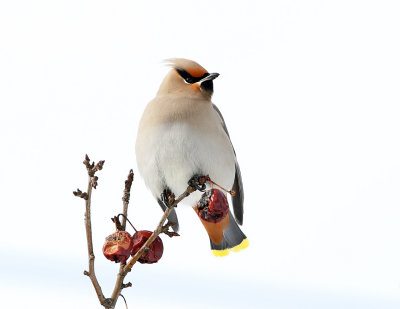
(189,78)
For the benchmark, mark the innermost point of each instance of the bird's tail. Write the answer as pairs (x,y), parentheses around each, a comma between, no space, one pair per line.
(233,239)
(225,236)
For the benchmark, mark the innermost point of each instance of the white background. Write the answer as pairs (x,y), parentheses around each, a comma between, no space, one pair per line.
(310,94)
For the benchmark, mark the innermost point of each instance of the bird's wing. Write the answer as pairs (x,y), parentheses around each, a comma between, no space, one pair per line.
(237,199)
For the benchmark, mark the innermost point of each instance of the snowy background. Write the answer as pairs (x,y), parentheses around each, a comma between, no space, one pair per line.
(310,94)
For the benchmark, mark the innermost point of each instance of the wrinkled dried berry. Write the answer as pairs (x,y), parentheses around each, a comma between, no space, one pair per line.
(117,246)
(155,251)
(213,206)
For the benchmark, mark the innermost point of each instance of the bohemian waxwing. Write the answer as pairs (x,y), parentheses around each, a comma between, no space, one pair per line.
(181,135)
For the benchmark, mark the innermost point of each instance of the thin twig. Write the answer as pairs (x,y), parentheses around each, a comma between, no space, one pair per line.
(126,305)
(166,231)
(92,183)
(126,197)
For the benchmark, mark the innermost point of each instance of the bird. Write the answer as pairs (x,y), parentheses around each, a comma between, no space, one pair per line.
(182,135)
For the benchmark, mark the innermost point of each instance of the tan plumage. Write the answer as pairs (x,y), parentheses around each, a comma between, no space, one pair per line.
(182,134)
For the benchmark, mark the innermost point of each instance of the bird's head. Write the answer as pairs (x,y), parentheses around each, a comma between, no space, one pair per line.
(188,78)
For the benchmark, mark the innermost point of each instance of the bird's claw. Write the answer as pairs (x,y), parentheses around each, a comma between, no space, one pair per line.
(167,198)
(198,182)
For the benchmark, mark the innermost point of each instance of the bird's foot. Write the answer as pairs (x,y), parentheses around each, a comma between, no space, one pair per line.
(198,182)
(167,198)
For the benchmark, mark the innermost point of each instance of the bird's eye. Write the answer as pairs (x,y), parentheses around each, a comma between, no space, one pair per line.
(186,76)
(189,80)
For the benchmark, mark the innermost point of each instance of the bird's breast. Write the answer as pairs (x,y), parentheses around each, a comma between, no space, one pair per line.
(169,153)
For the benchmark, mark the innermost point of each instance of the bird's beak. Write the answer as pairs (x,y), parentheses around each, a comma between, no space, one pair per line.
(212,76)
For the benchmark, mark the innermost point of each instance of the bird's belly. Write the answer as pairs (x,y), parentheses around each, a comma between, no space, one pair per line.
(179,151)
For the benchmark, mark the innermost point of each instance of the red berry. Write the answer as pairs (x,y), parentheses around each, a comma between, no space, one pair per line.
(118,246)
(156,248)
(213,206)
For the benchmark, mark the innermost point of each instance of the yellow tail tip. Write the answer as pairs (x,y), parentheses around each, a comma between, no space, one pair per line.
(243,245)
(224,252)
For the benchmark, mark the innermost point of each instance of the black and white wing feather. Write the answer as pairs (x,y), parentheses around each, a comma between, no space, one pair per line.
(237,199)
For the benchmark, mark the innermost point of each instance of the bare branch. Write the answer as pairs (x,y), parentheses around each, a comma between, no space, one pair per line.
(92,168)
(88,224)
(126,197)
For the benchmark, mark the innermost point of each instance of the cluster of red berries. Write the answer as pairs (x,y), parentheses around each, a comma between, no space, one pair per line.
(120,245)
(213,207)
